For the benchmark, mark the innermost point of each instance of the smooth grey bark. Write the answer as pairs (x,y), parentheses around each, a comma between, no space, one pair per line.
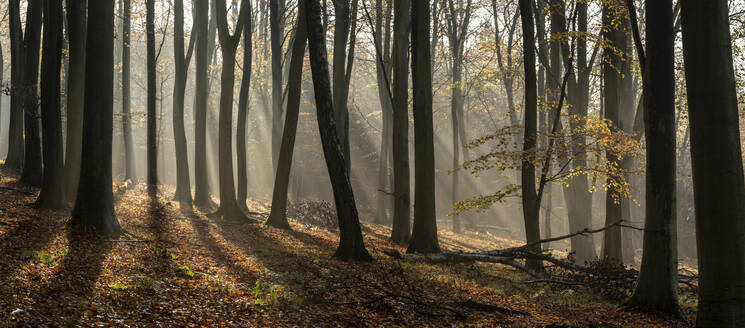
(351,243)
(342,63)
(94,206)
(457,22)
(716,161)
(202,198)
(657,287)
(76,21)
(401,184)
(424,232)
(278,214)
(14,158)
(152,120)
(130,172)
(244,103)
(229,209)
(530,199)
(181,63)
(276,27)
(613,36)
(52,194)
(32,167)
(382,73)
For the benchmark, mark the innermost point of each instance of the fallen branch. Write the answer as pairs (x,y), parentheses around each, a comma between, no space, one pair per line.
(619,223)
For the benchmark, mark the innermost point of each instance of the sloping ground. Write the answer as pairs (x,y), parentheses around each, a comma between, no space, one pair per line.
(173,270)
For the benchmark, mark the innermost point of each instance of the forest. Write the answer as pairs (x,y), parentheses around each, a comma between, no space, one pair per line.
(372,163)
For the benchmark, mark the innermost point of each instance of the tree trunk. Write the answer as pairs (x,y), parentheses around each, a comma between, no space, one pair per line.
(278,215)
(351,243)
(401,184)
(152,120)
(341,89)
(14,159)
(716,160)
(612,61)
(129,152)
(76,20)
(52,194)
(530,201)
(382,73)
(201,180)
(229,209)
(657,287)
(244,102)
(424,232)
(32,170)
(181,63)
(94,207)
(276,14)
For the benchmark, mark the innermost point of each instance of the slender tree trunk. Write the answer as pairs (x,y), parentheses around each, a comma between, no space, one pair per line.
(424,234)
(152,120)
(94,207)
(276,13)
(201,180)
(351,243)
(52,193)
(229,209)
(244,102)
(531,202)
(657,287)
(401,184)
(181,63)
(341,90)
(2,76)
(716,161)
(76,20)
(129,152)
(32,170)
(14,159)
(613,11)
(278,215)
(383,70)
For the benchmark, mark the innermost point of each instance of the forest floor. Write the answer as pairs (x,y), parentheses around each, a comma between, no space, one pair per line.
(176,270)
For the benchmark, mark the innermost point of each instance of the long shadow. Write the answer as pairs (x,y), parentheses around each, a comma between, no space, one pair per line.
(67,295)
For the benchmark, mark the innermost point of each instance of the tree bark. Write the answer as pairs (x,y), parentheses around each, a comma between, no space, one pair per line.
(341,89)
(383,73)
(401,184)
(276,13)
(530,201)
(94,207)
(14,159)
(76,20)
(202,198)
(244,103)
(52,194)
(657,287)
(152,120)
(181,63)
(612,61)
(32,169)
(716,160)
(351,243)
(278,214)
(129,152)
(424,232)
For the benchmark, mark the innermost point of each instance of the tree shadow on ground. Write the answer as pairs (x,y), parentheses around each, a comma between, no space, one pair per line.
(66,296)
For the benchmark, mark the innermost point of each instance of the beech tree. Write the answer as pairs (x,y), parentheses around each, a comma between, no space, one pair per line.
(401,183)
(202,198)
(424,233)
(657,287)
(152,120)
(181,63)
(32,166)
(94,206)
(351,244)
(716,160)
(76,28)
(129,153)
(229,208)
(52,192)
(244,103)
(278,214)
